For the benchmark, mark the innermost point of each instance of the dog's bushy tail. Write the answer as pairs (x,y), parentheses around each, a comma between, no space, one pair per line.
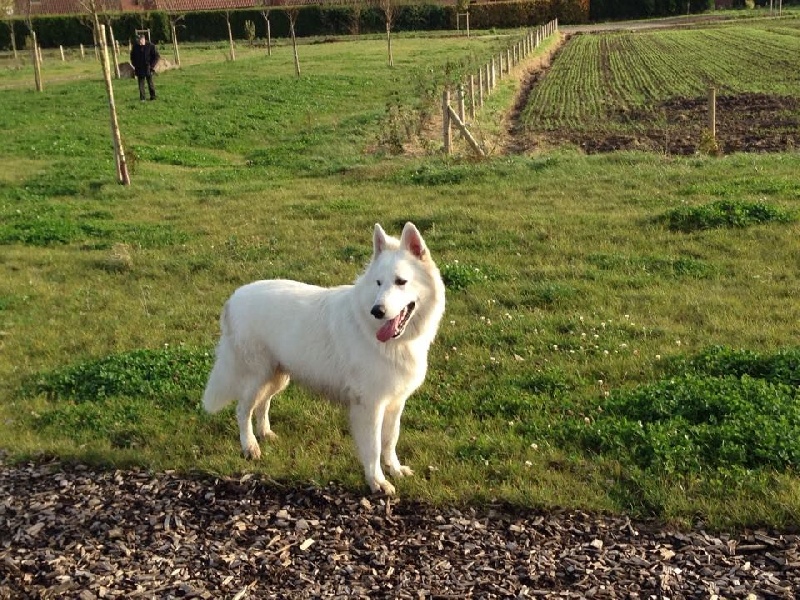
(220,388)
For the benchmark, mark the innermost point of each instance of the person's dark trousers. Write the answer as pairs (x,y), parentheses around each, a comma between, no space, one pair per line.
(150,87)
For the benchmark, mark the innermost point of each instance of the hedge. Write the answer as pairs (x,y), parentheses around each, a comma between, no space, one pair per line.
(72,30)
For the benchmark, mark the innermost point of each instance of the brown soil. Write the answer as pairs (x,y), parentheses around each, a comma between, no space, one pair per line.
(745,123)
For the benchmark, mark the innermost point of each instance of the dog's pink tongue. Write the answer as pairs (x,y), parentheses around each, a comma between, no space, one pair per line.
(389,328)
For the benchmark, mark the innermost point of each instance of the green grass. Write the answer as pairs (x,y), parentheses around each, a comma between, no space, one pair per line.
(574,310)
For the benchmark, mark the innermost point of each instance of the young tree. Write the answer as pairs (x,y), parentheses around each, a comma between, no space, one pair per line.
(175,16)
(264,9)
(93,9)
(7,9)
(357,7)
(37,58)
(292,13)
(108,21)
(388,8)
(250,32)
(227,14)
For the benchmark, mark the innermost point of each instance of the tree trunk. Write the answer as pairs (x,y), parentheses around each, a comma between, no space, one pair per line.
(265,14)
(230,36)
(13,39)
(389,41)
(292,19)
(175,49)
(37,64)
(119,153)
(113,50)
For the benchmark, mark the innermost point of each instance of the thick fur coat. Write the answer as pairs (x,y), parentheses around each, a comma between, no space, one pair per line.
(364,345)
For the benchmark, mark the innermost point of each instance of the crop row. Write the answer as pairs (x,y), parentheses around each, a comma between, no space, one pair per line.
(599,79)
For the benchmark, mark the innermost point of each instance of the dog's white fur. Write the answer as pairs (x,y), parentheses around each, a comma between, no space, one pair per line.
(346,343)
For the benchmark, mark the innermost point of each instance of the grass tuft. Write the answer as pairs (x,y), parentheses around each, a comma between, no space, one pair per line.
(724,213)
(731,411)
(166,375)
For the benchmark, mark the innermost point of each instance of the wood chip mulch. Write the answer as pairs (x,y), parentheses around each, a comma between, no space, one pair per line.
(78,532)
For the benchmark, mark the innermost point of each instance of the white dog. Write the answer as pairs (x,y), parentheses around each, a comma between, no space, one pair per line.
(365,345)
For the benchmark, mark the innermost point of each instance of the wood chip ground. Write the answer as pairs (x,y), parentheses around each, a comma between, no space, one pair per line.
(78,532)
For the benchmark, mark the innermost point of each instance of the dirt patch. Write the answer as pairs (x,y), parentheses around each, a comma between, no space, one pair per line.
(516,138)
(745,123)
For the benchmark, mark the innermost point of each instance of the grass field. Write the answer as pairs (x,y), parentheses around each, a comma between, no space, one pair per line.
(649,88)
(621,330)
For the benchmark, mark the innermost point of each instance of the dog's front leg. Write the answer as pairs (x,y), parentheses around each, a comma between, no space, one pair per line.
(366,419)
(390,433)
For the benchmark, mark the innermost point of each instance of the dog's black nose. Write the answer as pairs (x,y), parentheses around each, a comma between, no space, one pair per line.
(378,311)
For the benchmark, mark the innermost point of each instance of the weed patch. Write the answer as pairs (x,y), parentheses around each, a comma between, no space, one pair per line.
(458,276)
(170,155)
(48,224)
(167,376)
(782,367)
(656,266)
(724,213)
(719,417)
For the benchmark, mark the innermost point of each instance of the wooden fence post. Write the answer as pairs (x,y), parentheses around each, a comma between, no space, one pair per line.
(712,113)
(472,97)
(480,86)
(465,132)
(461,111)
(61,49)
(446,131)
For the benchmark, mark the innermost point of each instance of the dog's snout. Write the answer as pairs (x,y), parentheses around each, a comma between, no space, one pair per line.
(378,311)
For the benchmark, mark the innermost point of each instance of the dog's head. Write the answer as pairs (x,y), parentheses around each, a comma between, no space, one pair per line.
(406,284)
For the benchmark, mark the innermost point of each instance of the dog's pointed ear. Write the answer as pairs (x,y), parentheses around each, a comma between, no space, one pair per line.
(378,240)
(411,240)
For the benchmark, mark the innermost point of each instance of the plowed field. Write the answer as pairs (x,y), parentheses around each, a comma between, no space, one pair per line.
(649,90)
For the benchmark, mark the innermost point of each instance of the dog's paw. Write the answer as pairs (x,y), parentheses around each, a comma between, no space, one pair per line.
(269,436)
(382,487)
(252,451)
(400,471)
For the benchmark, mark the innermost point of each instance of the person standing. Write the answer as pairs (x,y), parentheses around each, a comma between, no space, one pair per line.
(144,57)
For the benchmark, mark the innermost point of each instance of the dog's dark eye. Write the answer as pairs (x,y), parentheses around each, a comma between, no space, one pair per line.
(378,282)
(399,281)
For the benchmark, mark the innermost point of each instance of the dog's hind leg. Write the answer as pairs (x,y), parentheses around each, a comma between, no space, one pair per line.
(390,433)
(244,416)
(273,387)
(251,393)
(365,426)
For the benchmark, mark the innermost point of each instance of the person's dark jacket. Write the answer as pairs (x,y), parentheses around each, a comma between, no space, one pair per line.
(144,58)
